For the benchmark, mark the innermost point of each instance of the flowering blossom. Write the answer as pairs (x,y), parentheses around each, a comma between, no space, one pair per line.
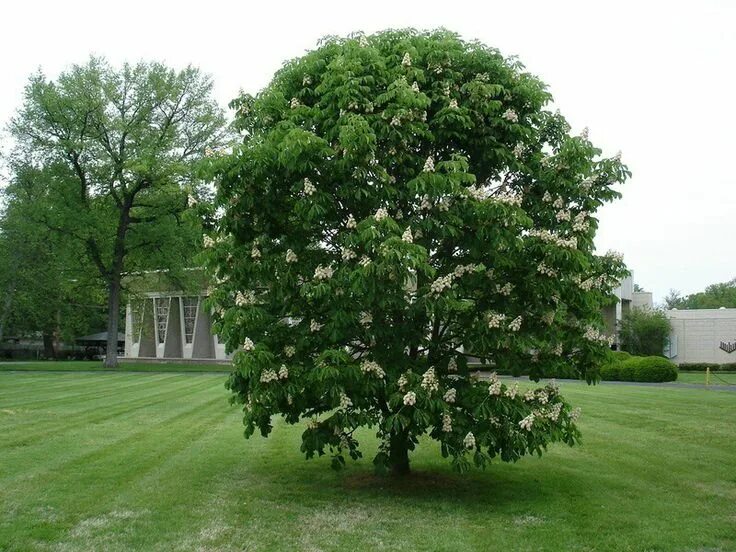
(291,256)
(289,351)
(395,120)
(248,344)
(429,380)
(372,367)
(410,399)
(478,193)
(323,272)
(449,396)
(345,401)
(511,392)
(542,396)
(587,184)
(429,164)
(562,214)
(243,299)
(208,242)
(348,254)
(510,198)
(446,423)
(584,133)
(469,441)
(550,237)
(547,197)
(529,395)
(453,103)
(515,324)
(313,423)
(558,203)
(545,270)
(518,150)
(306,80)
(362,41)
(511,116)
(426,204)
(364,261)
(366,319)
(255,253)
(350,222)
(415,86)
(575,414)
(557,351)
(615,255)
(406,61)
(495,388)
(283,372)
(527,422)
(309,188)
(191,201)
(595,335)
(505,289)
(495,319)
(380,214)
(314,326)
(441,283)
(406,236)
(402,382)
(452,365)
(268,376)
(580,224)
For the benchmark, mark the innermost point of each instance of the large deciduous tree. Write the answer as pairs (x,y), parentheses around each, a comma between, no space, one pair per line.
(402,207)
(123,147)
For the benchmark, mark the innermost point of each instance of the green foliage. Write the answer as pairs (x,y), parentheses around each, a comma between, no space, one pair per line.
(642,369)
(118,153)
(715,296)
(396,198)
(644,332)
(703,366)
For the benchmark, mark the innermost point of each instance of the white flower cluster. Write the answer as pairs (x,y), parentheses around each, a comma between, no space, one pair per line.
(441,283)
(345,401)
(350,222)
(495,388)
(580,223)
(415,86)
(208,242)
(595,335)
(518,150)
(309,188)
(244,299)
(575,414)
(615,255)
(402,382)
(453,104)
(364,261)
(548,317)
(429,164)
(477,193)
(495,319)
(545,270)
(452,365)
(406,61)
(464,269)
(294,103)
(547,197)
(314,326)
(291,256)
(323,272)
(469,441)
(584,133)
(283,372)
(559,203)
(446,423)
(306,80)
(554,412)
(511,392)
(372,367)
(380,214)
(558,350)
(406,236)
(267,376)
(446,88)
(313,423)
(515,324)
(562,214)
(450,395)
(429,380)
(289,351)
(426,204)
(363,41)
(191,201)
(505,289)
(550,237)
(347,254)
(366,319)
(510,198)
(587,184)
(529,395)
(410,399)
(248,344)
(395,120)
(255,253)
(527,422)
(511,116)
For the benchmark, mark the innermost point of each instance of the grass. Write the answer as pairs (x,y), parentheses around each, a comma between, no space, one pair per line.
(157,462)
(716,378)
(96,366)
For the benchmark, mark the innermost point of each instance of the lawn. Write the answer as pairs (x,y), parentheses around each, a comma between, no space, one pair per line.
(157,462)
(96,366)
(716,378)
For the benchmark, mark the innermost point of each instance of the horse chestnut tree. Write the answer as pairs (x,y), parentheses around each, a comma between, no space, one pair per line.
(403,208)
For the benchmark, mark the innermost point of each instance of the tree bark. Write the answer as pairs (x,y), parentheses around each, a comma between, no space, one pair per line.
(5,314)
(49,349)
(398,455)
(113,318)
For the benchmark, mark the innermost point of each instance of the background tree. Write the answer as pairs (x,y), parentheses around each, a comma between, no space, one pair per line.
(121,150)
(645,332)
(402,204)
(673,299)
(715,296)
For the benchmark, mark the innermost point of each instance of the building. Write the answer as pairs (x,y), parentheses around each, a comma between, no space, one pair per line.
(702,336)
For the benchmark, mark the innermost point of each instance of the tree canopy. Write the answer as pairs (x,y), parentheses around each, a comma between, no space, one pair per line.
(403,208)
(714,296)
(119,151)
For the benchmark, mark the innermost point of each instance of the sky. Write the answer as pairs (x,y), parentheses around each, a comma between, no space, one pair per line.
(654,80)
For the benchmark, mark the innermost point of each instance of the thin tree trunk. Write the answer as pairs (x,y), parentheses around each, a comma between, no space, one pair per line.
(113,318)
(398,455)
(49,351)
(7,304)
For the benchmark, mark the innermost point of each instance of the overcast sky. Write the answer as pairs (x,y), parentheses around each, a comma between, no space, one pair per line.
(654,80)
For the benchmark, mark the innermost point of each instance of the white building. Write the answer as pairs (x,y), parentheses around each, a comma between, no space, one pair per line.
(702,335)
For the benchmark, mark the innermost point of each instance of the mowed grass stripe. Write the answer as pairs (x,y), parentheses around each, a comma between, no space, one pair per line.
(97,410)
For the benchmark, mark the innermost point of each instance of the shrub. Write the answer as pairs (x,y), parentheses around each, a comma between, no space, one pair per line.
(644,332)
(703,366)
(641,369)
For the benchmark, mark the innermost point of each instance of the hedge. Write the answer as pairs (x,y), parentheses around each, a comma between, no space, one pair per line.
(703,366)
(641,369)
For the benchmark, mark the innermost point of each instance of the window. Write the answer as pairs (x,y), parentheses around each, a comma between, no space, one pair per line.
(189,305)
(162,316)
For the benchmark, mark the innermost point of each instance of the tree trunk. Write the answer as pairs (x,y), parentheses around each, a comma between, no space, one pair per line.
(398,455)
(49,349)
(5,314)
(113,318)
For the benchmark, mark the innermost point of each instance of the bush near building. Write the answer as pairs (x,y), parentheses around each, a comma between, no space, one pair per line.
(703,366)
(644,332)
(640,369)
